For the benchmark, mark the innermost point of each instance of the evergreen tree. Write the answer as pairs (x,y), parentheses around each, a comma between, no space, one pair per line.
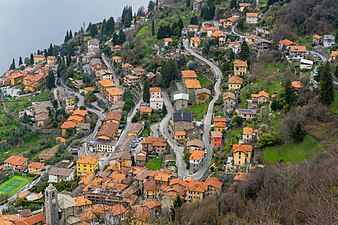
(178,202)
(245,52)
(156,4)
(31,59)
(289,94)
(169,73)
(50,81)
(194,20)
(89,27)
(146,92)
(122,37)
(326,85)
(12,67)
(152,27)
(93,30)
(336,37)
(25,118)
(151,6)
(51,50)
(180,24)
(110,25)
(164,110)
(240,24)
(20,61)
(70,34)
(233,4)
(188,3)
(66,37)
(298,133)
(115,39)
(336,72)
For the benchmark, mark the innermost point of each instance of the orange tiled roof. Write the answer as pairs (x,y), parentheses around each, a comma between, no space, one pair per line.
(127,66)
(196,155)
(235,80)
(196,39)
(75,118)
(192,84)
(214,182)
(218,34)
(296,84)
(80,112)
(68,124)
(108,130)
(286,42)
(16,160)
(334,54)
(87,159)
(115,115)
(180,133)
(216,134)
(89,89)
(34,219)
(116,58)
(227,95)
(247,131)
(252,14)
(36,165)
(260,94)
(86,179)
(155,89)
(241,148)
(188,74)
(60,139)
(316,36)
(82,201)
(196,187)
(240,63)
(241,176)
(114,91)
(106,83)
(298,49)
(168,40)
(144,109)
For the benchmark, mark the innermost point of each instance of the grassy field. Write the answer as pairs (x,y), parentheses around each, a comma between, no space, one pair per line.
(205,82)
(293,152)
(154,164)
(334,106)
(14,184)
(198,111)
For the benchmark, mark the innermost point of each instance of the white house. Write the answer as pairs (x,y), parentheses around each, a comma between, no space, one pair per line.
(306,64)
(328,41)
(196,160)
(57,174)
(252,18)
(156,100)
(297,52)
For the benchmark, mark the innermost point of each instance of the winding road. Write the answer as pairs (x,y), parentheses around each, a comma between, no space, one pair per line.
(182,171)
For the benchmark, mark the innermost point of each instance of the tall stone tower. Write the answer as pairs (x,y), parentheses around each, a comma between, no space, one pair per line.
(51,205)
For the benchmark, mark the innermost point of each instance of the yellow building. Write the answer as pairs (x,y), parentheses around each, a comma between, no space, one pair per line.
(242,154)
(180,135)
(39,58)
(195,42)
(219,124)
(235,83)
(195,192)
(87,164)
(202,95)
(35,167)
(240,67)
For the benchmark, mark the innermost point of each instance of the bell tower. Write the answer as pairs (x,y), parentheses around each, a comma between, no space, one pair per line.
(51,205)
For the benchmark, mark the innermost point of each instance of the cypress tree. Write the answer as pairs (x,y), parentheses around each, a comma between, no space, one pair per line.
(245,52)
(289,94)
(20,61)
(153,27)
(70,34)
(50,81)
(12,67)
(31,59)
(326,85)
(188,3)
(146,92)
(298,133)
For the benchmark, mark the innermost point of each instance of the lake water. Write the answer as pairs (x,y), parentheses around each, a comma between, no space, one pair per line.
(28,25)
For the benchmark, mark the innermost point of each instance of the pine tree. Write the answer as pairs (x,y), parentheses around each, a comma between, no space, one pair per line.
(146,92)
(25,118)
(152,27)
(298,133)
(66,37)
(50,82)
(20,61)
(233,4)
(194,20)
(169,73)
(70,34)
(178,202)
(289,94)
(110,25)
(188,3)
(12,67)
(31,59)
(326,85)
(180,24)
(122,37)
(93,30)
(151,6)
(245,52)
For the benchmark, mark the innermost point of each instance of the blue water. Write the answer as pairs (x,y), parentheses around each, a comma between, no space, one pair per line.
(28,25)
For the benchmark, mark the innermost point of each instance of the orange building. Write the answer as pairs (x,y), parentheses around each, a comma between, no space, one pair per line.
(216,138)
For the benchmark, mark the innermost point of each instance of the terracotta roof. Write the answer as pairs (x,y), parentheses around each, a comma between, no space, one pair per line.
(152,204)
(260,94)
(218,34)
(216,134)
(68,124)
(334,54)
(127,66)
(286,42)
(114,91)
(106,83)
(196,155)
(168,40)
(244,4)
(298,49)
(80,112)
(108,130)
(192,84)
(116,58)
(196,187)
(16,160)
(152,140)
(228,95)
(180,133)
(195,142)
(196,39)
(115,115)
(235,80)
(86,179)
(155,89)
(296,84)
(36,165)
(87,159)
(220,119)
(150,185)
(82,201)
(247,131)
(214,182)
(75,118)
(89,89)
(252,14)
(192,26)
(188,74)
(117,210)
(241,176)
(231,19)
(316,36)
(32,220)
(241,148)
(144,109)
(240,63)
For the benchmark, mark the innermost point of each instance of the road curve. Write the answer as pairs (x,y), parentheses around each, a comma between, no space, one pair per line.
(207,119)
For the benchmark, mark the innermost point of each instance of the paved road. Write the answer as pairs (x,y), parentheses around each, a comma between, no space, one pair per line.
(181,168)
(207,118)
(115,78)
(155,129)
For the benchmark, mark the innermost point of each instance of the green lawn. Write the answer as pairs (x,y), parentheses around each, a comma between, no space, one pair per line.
(214,174)
(205,82)
(334,105)
(154,164)
(14,184)
(293,152)
(198,111)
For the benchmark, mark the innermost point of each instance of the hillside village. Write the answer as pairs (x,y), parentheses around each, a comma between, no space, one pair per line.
(181,103)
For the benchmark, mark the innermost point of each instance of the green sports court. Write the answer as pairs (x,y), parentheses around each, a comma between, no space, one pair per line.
(14,184)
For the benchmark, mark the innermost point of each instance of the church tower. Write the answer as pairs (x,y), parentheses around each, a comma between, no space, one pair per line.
(51,205)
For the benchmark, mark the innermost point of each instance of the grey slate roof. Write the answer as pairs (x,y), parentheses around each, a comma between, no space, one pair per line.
(182,116)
